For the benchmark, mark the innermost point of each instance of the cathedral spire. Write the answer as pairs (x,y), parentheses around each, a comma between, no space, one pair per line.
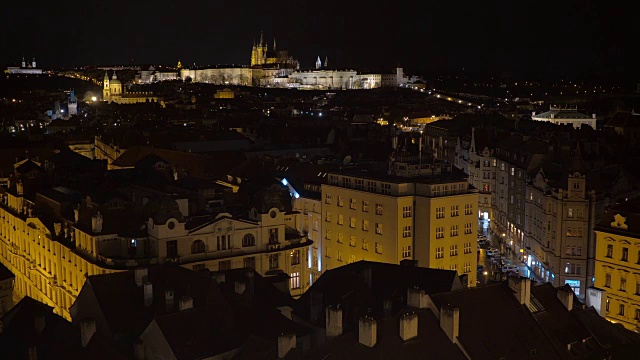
(262,38)
(274,43)
(326,61)
(318,63)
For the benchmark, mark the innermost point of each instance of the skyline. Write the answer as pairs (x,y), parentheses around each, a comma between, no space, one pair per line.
(576,39)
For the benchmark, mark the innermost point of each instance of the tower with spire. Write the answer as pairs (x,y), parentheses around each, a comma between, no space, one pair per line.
(318,63)
(106,90)
(259,51)
(73,103)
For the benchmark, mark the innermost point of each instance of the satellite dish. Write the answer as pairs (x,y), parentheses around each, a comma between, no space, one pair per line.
(347,160)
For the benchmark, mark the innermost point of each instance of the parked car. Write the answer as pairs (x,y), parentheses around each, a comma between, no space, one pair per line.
(480,268)
(489,252)
(509,268)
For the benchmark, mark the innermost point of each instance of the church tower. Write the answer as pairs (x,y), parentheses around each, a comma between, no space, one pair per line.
(33,62)
(73,103)
(106,92)
(24,63)
(318,63)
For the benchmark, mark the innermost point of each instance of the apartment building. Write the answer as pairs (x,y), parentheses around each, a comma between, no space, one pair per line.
(474,157)
(421,210)
(560,213)
(52,238)
(618,263)
(517,159)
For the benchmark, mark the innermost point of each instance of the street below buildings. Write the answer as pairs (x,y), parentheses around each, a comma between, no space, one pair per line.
(491,265)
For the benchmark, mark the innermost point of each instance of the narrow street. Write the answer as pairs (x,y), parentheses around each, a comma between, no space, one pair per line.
(489,271)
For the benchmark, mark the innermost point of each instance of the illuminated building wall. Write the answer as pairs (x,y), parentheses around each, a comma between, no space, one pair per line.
(389,219)
(618,264)
(51,266)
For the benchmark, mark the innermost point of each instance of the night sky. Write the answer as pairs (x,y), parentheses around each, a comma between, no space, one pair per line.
(521,38)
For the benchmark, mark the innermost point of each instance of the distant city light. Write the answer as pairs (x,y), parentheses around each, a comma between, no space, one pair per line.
(94,98)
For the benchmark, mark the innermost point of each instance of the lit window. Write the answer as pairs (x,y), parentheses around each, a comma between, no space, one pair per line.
(365,206)
(406,251)
(439,232)
(407,211)
(352,204)
(378,248)
(406,231)
(454,230)
(352,223)
(294,282)
(454,210)
(365,225)
(453,250)
(295,257)
(379,228)
(439,252)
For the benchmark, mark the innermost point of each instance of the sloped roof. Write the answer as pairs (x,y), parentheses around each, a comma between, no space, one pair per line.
(561,326)
(124,309)
(630,211)
(431,343)
(198,166)
(59,339)
(198,333)
(365,285)
(514,336)
(562,114)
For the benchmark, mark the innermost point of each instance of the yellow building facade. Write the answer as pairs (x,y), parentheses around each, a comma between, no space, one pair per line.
(44,269)
(51,263)
(430,218)
(618,263)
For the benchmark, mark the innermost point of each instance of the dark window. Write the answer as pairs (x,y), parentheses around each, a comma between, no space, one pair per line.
(248,240)
(197,247)
(172,249)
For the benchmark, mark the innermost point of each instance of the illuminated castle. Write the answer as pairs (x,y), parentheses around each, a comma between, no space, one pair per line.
(262,56)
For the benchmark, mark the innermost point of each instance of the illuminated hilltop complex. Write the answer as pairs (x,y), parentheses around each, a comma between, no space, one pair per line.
(277,68)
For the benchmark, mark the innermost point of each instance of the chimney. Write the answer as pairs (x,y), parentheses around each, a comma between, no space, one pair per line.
(285,344)
(186,302)
(168,300)
(566,297)
(333,321)
(220,278)
(450,321)
(249,274)
(522,289)
(148,294)
(139,349)
(87,329)
(416,298)
(33,352)
(315,305)
(367,331)
(142,275)
(241,286)
(409,326)
(38,321)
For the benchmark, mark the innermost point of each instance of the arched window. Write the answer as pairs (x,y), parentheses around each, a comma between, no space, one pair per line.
(248,240)
(197,247)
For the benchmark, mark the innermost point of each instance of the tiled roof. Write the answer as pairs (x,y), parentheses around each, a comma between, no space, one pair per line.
(562,114)
(562,327)
(365,285)
(494,325)
(431,343)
